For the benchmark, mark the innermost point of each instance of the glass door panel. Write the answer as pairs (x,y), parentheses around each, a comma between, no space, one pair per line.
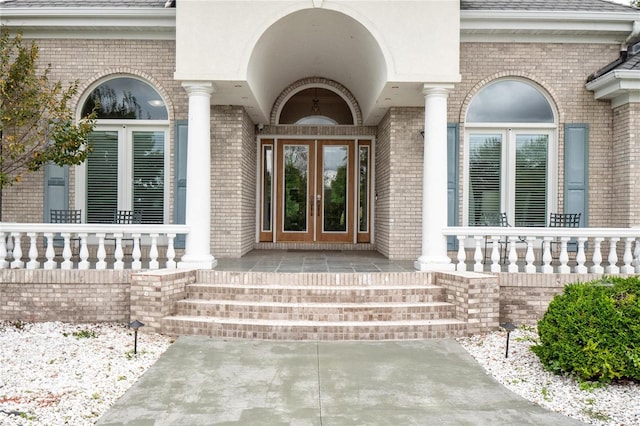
(295,198)
(335,191)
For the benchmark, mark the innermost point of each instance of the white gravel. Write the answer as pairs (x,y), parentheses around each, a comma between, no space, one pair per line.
(522,373)
(61,374)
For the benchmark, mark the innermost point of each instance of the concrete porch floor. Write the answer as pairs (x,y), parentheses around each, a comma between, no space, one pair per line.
(337,261)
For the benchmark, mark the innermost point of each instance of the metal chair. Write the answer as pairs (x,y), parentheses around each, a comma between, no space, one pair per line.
(125,217)
(495,219)
(564,220)
(66,216)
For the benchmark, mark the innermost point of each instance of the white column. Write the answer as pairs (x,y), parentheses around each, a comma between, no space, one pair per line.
(197,254)
(434,181)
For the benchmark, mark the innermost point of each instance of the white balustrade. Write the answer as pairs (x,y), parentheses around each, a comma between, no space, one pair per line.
(69,246)
(538,257)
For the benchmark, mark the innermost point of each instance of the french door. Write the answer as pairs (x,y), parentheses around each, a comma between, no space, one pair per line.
(317,194)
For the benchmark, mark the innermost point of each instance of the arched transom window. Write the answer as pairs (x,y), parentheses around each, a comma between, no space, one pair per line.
(510,161)
(126,169)
(316,106)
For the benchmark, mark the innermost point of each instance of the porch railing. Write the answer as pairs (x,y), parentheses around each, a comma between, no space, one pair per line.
(595,250)
(41,241)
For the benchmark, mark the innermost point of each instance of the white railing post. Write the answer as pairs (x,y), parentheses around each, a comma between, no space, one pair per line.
(33,251)
(478,255)
(612,268)
(136,254)
(118,253)
(17,251)
(513,255)
(3,251)
(564,256)
(597,256)
(495,254)
(171,253)
(50,252)
(153,252)
(547,258)
(462,254)
(627,258)
(581,257)
(530,257)
(84,252)
(101,254)
(9,246)
(66,251)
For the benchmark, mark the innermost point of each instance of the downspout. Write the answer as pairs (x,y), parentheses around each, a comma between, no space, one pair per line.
(631,39)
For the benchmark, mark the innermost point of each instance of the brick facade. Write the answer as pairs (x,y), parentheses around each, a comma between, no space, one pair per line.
(68,296)
(558,69)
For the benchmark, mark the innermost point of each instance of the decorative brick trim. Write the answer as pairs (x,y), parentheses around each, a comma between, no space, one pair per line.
(105,75)
(505,75)
(308,82)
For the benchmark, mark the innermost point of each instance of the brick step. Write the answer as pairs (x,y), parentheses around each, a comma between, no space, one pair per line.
(316,311)
(315,279)
(317,294)
(313,330)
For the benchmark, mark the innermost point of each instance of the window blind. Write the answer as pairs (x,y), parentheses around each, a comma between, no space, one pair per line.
(148,175)
(485,151)
(531,179)
(102,177)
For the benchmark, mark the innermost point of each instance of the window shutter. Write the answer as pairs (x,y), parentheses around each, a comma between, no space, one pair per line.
(485,175)
(180,179)
(576,178)
(148,175)
(452,182)
(531,179)
(56,190)
(102,177)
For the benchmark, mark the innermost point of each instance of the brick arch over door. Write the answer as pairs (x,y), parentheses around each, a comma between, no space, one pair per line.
(320,82)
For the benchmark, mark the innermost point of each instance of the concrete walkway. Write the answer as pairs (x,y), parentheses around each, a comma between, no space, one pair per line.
(200,381)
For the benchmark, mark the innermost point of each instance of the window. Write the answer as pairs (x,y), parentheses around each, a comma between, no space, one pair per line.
(510,155)
(316,106)
(126,169)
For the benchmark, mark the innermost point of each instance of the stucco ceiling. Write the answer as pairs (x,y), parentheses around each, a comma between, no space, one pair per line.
(316,42)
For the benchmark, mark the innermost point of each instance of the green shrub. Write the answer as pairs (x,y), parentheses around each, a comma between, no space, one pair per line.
(592,331)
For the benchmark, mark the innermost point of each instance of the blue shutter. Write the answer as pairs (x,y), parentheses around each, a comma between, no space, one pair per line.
(576,170)
(56,189)
(180,179)
(452,181)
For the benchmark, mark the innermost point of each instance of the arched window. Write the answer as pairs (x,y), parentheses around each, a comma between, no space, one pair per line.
(510,154)
(316,106)
(126,169)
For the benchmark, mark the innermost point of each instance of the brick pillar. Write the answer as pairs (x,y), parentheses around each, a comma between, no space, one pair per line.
(154,295)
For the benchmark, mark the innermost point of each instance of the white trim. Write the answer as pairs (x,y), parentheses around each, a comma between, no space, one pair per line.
(93,23)
(507,178)
(615,84)
(546,26)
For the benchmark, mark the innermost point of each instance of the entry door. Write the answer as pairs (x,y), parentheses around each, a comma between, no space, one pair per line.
(316,191)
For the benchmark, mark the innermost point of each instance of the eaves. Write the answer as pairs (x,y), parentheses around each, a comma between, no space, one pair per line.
(92,23)
(546,26)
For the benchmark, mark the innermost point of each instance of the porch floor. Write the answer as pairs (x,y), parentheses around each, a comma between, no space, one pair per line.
(337,261)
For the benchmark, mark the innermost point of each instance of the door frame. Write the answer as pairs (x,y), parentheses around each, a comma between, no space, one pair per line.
(267,147)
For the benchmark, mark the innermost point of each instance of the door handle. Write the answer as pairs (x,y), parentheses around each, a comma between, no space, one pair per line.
(311,206)
(319,205)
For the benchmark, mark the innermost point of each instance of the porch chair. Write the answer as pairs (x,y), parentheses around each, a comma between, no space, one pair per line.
(564,220)
(495,219)
(125,217)
(66,216)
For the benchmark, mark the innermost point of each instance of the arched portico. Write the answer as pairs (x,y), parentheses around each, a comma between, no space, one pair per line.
(368,47)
